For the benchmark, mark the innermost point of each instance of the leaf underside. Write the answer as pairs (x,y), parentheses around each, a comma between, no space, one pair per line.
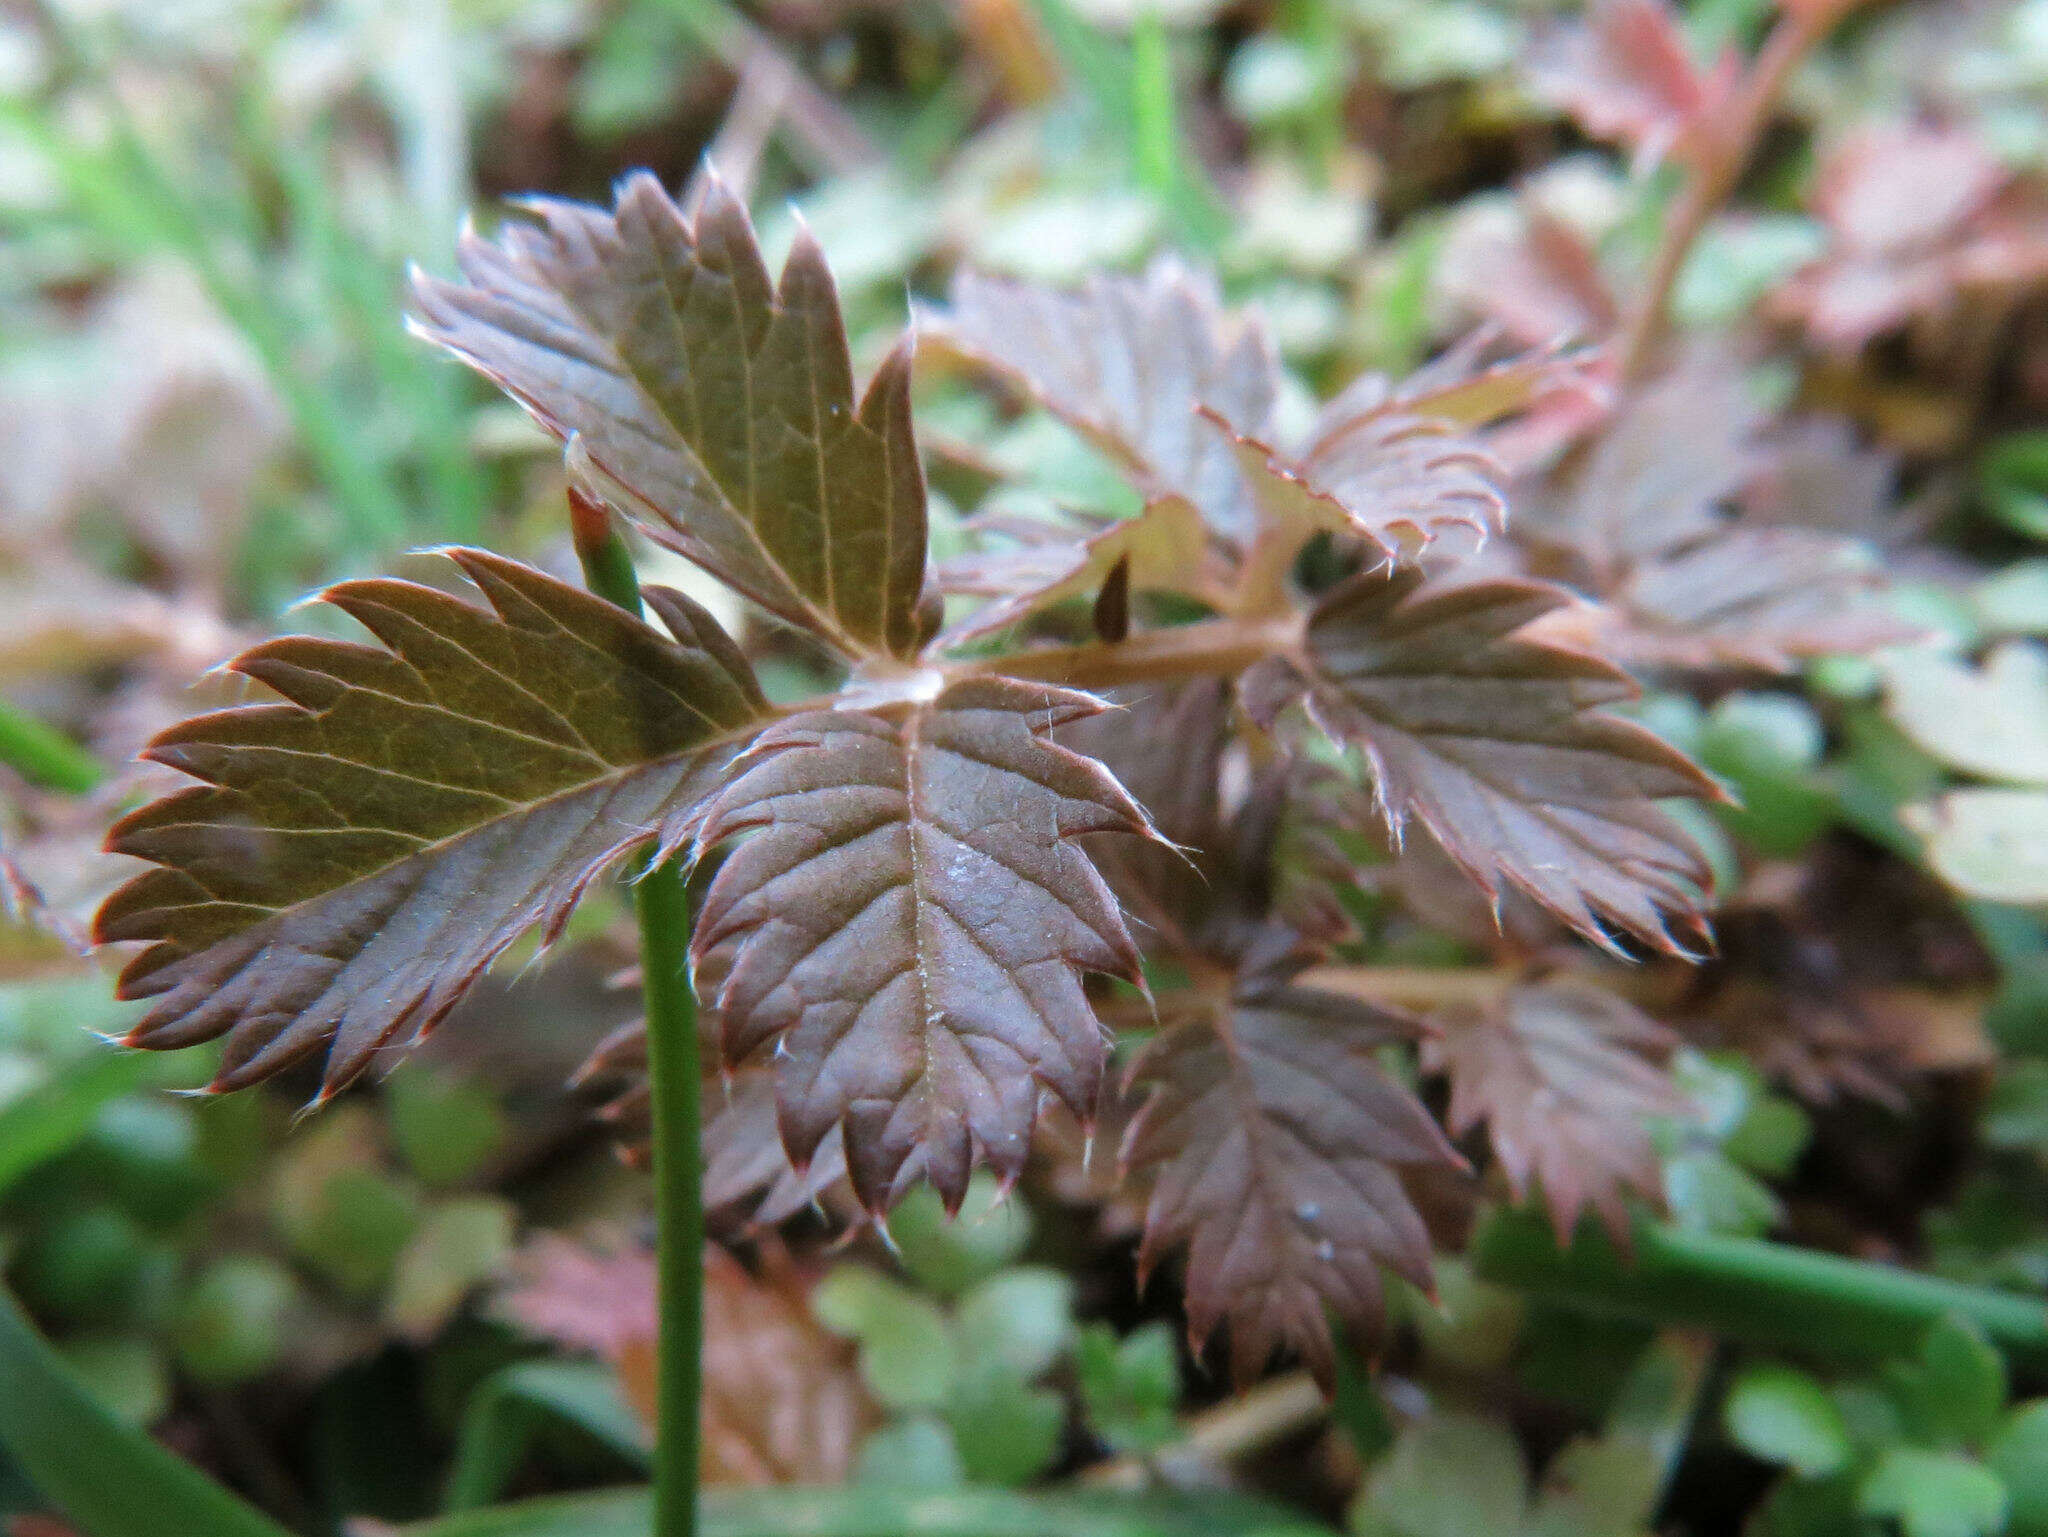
(1495,742)
(907,920)
(360,853)
(1403,466)
(1763,597)
(1126,361)
(748,1178)
(1165,547)
(1660,473)
(1567,1079)
(717,407)
(1273,1143)
(1401,483)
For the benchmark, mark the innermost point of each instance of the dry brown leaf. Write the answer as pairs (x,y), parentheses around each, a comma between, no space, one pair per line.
(782,1402)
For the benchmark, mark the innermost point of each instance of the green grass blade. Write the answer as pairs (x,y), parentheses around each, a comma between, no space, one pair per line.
(504,1412)
(368,297)
(1130,86)
(44,754)
(49,1118)
(1152,114)
(107,1477)
(130,198)
(869,1512)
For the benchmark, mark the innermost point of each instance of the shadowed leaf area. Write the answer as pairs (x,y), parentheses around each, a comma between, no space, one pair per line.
(360,853)
(1274,1142)
(1567,1079)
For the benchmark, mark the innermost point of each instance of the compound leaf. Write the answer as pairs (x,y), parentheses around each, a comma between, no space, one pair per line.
(908,920)
(716,408)
(1273,1141)
(360,853)
(1494,740)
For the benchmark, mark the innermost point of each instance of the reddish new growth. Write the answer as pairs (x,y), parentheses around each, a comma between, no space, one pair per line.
(930,880)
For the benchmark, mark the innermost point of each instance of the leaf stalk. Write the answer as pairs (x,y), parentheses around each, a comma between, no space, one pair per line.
(661,901)
(1722,162)
(1210,648)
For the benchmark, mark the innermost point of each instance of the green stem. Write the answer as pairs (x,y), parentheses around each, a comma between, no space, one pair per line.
(45,755)
(661,898)
(1131,87)
(1356,1407)
(1749,1289)
(1152,126)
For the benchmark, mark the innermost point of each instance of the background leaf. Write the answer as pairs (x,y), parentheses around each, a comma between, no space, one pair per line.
(1568,1080)
(1494,740)
(1126,361)
(1784,1416)
(505,1410)
(1933,1494)
(1991,720)
(865,1512)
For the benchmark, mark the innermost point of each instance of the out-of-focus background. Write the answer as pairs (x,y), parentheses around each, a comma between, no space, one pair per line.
(434,1292)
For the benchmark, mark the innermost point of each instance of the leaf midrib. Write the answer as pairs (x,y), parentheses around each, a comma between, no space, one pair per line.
(825,624)
(618,774)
